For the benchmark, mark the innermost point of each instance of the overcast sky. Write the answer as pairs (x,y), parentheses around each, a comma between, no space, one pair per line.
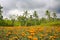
(14,7)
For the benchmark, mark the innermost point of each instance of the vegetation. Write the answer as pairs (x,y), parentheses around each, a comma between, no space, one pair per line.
(31,20)
(30,33)
(38,28)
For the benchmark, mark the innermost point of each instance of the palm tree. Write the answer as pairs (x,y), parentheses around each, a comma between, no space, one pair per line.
(48,14)
(21,19)
(1,17)
(36,17)
(35,14)
(31,17)
(54,15)
(25,13)
(12,17)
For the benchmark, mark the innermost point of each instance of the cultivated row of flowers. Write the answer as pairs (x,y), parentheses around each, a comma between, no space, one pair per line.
(29,33)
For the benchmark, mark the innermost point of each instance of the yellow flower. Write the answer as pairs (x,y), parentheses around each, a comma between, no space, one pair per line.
(32,34)
(41,35)
(30,37)
(32,31)
(13,38)
(23,34)
(8,33)
(35,38)
(51,37)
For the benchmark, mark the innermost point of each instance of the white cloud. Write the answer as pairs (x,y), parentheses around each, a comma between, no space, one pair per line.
(15,12)
(15,7)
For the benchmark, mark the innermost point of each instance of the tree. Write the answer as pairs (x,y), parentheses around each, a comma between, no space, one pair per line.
(48,14)
(1,17)
(43,20)
(25,13)
(13,17)
(30,20)
(54,15)
(22,20)
(25,17)
(35,15)
(31,17)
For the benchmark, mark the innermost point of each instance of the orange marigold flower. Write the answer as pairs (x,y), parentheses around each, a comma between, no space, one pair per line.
(9,33)
(6,34)
(23,34)
(41,35)
(32,34)
(15,32)
(51,37)
(13,38)
(46,34)
(35,38)
(32,30)
(54,36)
(30,37)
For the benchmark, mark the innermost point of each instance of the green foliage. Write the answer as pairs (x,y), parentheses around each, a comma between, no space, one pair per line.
(43,20)
(53,23)
(1,17)
(54,15)
(17,23)
(48,14)
(31,20)
(22,20)
(25,13)
(35,14)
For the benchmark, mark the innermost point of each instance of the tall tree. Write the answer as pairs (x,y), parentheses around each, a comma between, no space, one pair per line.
(25,17)
(35,15)
(54,15)
(25,13)
(1,17)
(48,14)
(31,20)
(31,17)
(22,21)
(13,17)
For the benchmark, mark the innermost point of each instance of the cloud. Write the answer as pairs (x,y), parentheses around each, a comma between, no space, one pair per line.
(10,7)
(29,4)
(57,9)
(55,6)
(22,4)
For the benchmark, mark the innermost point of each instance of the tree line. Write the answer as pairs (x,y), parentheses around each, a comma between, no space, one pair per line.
(32,20)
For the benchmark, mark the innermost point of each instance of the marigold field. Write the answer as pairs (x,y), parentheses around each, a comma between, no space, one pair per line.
(30,33)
